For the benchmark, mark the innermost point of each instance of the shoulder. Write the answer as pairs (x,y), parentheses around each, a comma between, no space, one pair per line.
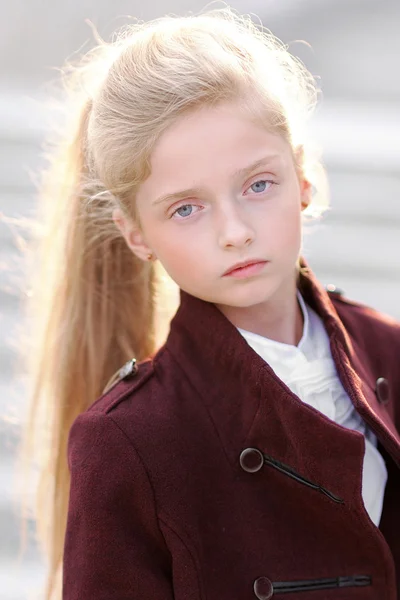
(145,399)
(139,387)
(133,409)
(97,425)
(363,321)
(151,408)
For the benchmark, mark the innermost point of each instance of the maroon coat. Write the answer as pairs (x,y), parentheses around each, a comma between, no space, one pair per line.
(203,477)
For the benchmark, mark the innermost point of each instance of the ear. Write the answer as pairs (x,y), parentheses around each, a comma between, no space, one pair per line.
(305,184)
(305,193)
(132,234)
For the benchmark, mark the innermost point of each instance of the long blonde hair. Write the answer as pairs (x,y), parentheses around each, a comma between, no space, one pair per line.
(92,303)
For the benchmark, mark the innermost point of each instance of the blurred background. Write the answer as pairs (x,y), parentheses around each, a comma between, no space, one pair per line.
(353,46)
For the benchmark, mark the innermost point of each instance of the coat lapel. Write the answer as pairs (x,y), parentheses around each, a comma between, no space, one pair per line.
(352,362)
(249,404)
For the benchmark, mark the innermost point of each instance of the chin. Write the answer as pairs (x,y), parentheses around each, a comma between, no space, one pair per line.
(246,298)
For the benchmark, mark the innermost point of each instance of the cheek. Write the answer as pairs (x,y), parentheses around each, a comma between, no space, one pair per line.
(172,242)
(283,225)
(176,253)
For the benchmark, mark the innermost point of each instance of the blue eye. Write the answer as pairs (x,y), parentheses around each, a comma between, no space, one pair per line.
(185,208)
(185,214)
(261,185)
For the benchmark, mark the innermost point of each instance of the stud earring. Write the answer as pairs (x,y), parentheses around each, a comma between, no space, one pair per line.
(150,256)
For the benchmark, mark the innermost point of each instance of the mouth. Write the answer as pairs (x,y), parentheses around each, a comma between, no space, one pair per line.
(246,268)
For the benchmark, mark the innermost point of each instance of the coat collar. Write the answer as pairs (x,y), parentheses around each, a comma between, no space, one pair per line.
(244,396)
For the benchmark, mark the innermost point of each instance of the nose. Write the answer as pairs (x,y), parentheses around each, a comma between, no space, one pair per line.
(234,230)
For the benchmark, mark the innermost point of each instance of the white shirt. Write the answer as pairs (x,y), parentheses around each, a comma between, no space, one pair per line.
(309,371)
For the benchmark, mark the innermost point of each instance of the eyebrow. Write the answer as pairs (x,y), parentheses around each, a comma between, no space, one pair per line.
(238,173)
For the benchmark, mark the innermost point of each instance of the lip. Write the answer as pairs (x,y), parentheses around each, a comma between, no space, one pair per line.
(245,263)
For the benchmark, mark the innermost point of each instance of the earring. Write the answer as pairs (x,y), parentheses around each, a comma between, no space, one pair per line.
(150,256)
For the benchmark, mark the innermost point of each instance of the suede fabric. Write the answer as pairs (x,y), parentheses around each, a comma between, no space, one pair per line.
(166,504)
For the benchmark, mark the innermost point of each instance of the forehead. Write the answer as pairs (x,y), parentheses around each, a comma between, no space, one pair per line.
(212,140)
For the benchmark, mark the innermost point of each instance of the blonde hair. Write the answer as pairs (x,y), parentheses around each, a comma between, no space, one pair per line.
(93,303)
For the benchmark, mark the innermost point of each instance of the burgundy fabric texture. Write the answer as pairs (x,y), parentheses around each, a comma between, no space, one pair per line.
(161,507)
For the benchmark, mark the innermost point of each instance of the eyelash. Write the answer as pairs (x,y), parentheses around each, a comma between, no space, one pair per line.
(189,204)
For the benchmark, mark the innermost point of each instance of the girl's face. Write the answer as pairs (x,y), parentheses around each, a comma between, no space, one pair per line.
(222,190)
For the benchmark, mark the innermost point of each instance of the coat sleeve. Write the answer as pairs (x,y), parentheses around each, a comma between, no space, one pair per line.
(113,549)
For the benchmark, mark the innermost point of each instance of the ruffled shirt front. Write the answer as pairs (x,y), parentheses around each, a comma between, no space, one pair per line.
(309,371)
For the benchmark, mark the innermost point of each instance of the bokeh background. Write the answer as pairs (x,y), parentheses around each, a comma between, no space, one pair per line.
(353,46)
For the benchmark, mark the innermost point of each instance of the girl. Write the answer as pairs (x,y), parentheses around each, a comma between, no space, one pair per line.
(254,452)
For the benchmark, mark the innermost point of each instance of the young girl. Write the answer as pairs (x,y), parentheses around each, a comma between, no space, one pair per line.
(255,452)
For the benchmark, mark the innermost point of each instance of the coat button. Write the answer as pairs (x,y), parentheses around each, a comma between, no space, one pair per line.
(263,588)
(333,289)
(382,390)
(129,369)
(251,460)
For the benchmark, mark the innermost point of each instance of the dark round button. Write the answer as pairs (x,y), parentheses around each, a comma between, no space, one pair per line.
(251,460)
(263,588)
(382,390)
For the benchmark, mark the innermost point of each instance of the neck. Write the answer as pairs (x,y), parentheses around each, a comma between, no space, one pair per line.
(279,318)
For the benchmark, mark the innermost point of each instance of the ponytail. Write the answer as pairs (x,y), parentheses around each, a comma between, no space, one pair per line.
(91,308)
